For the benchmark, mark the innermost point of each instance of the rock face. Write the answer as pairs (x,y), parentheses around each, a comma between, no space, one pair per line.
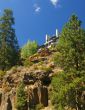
(38,95)
(36,89)
(7,101)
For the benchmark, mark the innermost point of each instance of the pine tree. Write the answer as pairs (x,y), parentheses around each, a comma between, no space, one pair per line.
(21,97)
(9,49)
(69,85)
(71,46)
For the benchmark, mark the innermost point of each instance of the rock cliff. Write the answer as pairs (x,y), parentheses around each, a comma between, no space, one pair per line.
(36,79)
(34,85)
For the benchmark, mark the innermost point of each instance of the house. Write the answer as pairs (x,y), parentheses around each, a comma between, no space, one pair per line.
(51,40)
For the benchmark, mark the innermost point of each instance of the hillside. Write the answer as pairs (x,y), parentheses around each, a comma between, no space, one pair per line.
(46,77)
(37,79)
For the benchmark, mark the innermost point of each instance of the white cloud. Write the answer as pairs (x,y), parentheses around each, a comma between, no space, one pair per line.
(37,8)
(54,2)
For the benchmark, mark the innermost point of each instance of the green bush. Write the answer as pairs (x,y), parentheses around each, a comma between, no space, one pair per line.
(29,49)
(40,63)
(14,69)
(39,106)
(21,97)
(57,58)
(47,69)
(27,63)
(2,73)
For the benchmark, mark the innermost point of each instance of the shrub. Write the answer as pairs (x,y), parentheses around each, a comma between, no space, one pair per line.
(14,69)
(47,69)
(29,49)
(21,97)
(40,63)
(36,67)
(57,58)
(2,73)
(39,106)
(27,63)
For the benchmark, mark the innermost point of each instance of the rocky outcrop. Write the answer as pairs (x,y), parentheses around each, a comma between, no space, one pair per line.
(7,100)
(38,95)
(35,87)
(40,56)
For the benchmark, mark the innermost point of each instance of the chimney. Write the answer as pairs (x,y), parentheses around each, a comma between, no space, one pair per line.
(46,38)
(56,32)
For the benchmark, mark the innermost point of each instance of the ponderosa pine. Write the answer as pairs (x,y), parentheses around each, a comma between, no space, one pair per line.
(69,85)
(9,48)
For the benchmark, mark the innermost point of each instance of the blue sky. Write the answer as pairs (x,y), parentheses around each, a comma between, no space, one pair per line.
(36,18)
